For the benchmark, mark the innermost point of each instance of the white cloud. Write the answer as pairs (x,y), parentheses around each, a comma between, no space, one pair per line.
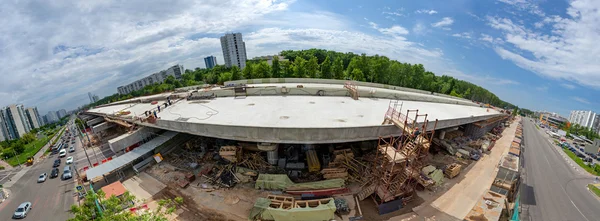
(466,35)
(568,86)
(525,5)
(419,28)
(446,21)
(568,52)
(542,88)
(425,11)
(488,38)
(394,30)
(481,79)
(52,59)
(581,100)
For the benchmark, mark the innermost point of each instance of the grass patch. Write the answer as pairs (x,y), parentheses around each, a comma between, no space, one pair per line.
(594,189)
(538,127)
(31,149)
(579,161)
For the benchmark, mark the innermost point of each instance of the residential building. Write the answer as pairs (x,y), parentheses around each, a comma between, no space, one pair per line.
(210,62)
(32,117)
(234,50)
(52,117)
(45,119)
(91,97)
(95,98)
(3,130)
(39,117)
(15,121)
(61,113)
(587,119)
(270,58)
(156,78)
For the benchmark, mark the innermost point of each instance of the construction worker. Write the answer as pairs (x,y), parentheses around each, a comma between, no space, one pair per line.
(416,132)
(158,106)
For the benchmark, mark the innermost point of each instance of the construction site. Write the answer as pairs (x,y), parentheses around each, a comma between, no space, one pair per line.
(306,149)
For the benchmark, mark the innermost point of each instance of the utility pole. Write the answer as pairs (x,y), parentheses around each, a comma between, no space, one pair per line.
(90,142)
(81,140)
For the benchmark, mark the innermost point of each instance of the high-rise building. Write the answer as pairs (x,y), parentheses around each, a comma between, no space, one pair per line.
(39,117)
(91,97)
(210,62)
(15,121)
(234,50)
(61,113)
(3,130)
(587,119)
(32,118)
(52,117)
(156,78)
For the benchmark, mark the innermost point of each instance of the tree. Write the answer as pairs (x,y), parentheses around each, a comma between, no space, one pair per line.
(235,73)
(299,68)
(338,68)
(247,72)
(170,79)
(275,68)
(312,67)
(227,76)
(288,69)
(112,208)
(18,146)
(28,138)
(326,69)
(357,75)
(262,70)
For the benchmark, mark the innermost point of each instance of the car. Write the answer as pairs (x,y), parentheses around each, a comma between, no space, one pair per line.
(62,153)
(56,163)
(69,160)
(42,177)
(22,210)
(67,173)
(54,173)
(72,149)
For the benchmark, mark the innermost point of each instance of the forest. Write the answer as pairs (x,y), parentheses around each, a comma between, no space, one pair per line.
(320,63)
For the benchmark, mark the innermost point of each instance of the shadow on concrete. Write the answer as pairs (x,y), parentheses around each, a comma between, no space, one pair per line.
(527,195)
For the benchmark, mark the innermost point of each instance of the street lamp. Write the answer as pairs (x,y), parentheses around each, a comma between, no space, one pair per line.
(17,156)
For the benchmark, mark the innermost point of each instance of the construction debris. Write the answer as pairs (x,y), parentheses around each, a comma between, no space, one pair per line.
(452,170)
(231,153)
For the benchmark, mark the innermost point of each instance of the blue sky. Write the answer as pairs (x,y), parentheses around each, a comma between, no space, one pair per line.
(539,55)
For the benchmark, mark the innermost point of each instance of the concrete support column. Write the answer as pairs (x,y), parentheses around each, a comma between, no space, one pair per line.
(442,134)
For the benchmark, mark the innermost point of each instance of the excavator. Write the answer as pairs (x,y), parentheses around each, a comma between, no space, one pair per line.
(29,161)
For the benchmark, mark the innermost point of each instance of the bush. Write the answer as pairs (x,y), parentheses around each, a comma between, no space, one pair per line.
(2,168)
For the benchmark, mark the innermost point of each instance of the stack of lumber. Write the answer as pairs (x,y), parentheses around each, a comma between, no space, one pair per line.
(452,170)
(336,172)
(231,153)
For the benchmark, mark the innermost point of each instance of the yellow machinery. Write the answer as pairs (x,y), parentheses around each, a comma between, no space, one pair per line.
(29,161)
(313,161)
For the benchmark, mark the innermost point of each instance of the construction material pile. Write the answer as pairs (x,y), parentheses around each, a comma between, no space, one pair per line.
(345,166)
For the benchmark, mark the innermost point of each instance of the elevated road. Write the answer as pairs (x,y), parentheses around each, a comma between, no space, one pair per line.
(552,188)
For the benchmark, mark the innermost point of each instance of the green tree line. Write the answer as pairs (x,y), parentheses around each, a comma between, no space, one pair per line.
(319,63)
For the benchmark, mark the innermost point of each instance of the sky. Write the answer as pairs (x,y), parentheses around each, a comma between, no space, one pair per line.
(537,54)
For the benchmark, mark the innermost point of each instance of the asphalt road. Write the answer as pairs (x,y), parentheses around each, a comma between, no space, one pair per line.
(552,189)
(51,200)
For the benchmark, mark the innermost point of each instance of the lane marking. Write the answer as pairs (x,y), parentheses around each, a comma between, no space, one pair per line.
(35,202)
(3,204)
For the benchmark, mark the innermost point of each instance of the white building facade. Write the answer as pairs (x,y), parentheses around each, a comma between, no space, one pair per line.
(234,50)
(156,78)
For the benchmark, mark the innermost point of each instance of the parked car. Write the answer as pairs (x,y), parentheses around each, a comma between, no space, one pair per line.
(54,173)
(22,210)
(56,163)
(42,177)
(72,149)
(69,160)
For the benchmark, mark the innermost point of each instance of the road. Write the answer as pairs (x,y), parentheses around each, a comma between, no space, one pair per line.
(51,200)
(553,189)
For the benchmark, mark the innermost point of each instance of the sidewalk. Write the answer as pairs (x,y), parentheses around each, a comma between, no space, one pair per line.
(460,199)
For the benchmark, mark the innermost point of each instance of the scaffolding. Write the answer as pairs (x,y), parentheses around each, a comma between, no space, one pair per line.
(352,89)
(399,159)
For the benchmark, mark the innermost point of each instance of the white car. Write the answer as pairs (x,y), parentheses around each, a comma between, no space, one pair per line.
(69,160)
(42,177)
(62,153)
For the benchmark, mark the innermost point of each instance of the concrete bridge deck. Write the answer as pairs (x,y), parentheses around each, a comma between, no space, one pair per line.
(293,119)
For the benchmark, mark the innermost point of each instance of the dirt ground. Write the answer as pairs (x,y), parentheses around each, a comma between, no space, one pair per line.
(190,211)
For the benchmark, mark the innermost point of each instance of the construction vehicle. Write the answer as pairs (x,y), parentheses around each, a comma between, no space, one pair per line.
(29,161)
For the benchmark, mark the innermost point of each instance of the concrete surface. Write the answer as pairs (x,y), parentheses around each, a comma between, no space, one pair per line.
(460,198)
(552,187)
(293,119)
